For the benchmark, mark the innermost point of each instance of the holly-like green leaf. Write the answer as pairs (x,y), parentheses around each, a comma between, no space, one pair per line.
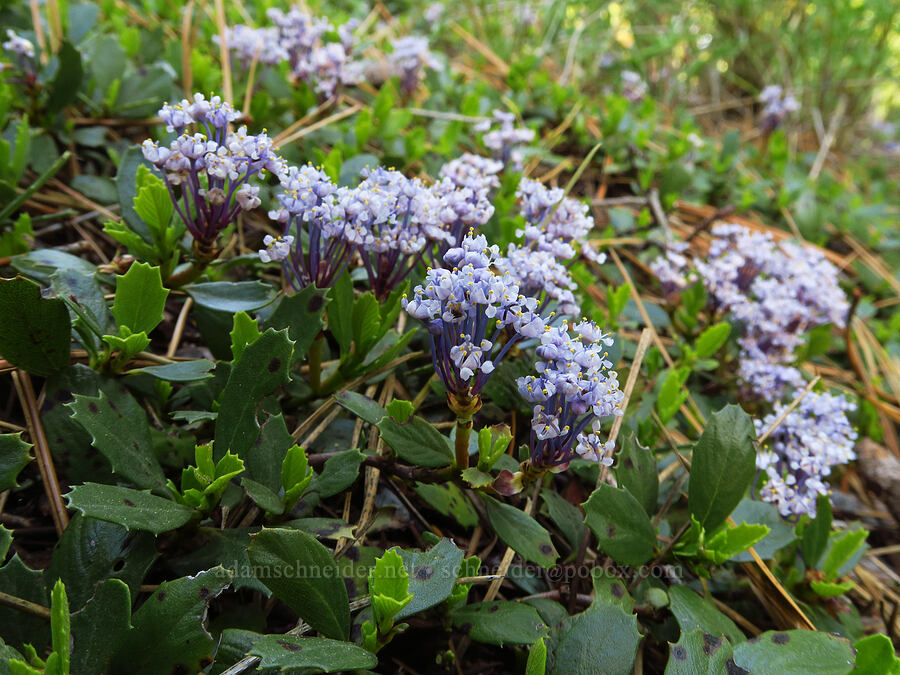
(296,475)
(338,474)
(388,589)
(301,314)
(120,431)
(263,366)
(795,652)
(537,659)
(34,332)
(521,532)
(154,205)
(173,620)
(287,652)
(500,623)
(712,339)
(636,472)
(842,550)
(692,612)
(416,441)
(140,298)
(723,466)
(780,534)
(244,332)
(602,639)
(132,509)
(875,654)
(699,653)
(432,576)
(14,456)
(100,627)
(730,541)
(303,575)
(19,628)
(230,296)
(830,589)
(672,393)
(60,630)
(91,551)
(621,525)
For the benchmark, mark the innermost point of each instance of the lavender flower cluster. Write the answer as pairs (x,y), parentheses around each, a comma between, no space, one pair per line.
(504,139)
(211,167)
(801,452)
(574,389)
(326,65)
(777,105)
(776,291)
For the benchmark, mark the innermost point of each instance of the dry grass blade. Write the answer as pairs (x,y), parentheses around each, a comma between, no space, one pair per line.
(25,390)
(481,48)
(787,411)
(347,112)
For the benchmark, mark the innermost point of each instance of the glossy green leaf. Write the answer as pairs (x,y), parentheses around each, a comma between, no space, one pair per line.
(416,442)
(338,474)
(723,466)
(636,472)
(815,534)
(140,298)
(730,541)
(182,371)
(91,551)
(875,656)
(244,332)
(449,500)
(432,576)
(35,332)
(287,652)
(120,431)
(692,611)
(521,532)
(228,296)
(133,509)
(100,627)
(303,575)
(173,620)
(361,406)
(672,393)
(795,652)
(14,456)
(830,589)
(621,525)
(699,653)
(301,314)
(500,623)
(842,550)
(263,366)
(567,517)
(602,639)
(712,339)
(780,534)
(537,659)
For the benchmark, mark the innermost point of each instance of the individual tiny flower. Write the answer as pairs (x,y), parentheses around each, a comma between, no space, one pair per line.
(18,45)
(409,58)
(800,454)
(574,390)
(777,105)
(276,248)
(208,171)
(504,139)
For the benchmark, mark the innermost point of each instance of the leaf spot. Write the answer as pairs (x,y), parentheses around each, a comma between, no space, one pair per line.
(290,646)
(679,653)
(781,638)
(274,365)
